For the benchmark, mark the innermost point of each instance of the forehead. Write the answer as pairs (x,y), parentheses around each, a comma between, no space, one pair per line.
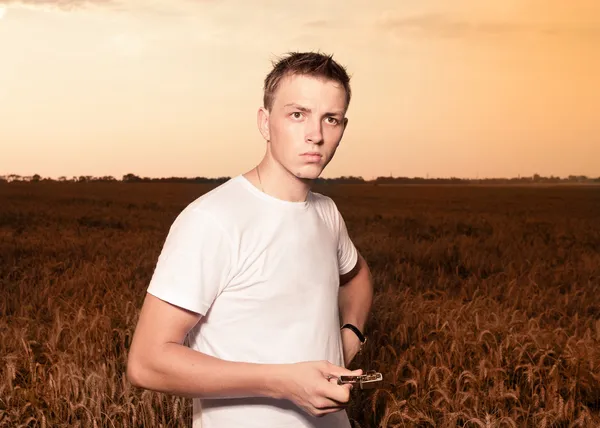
(315,91)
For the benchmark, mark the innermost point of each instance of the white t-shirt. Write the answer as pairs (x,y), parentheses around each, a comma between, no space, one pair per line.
(264,273)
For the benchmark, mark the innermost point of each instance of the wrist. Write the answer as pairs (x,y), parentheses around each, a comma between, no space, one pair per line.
(355,331)
(277,381)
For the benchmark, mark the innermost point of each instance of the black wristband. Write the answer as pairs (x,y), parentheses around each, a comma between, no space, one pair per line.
(356,331)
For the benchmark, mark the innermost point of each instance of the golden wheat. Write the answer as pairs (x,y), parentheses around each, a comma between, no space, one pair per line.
(486,313)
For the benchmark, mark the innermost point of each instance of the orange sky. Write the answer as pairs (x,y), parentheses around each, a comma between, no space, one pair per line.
(171,87)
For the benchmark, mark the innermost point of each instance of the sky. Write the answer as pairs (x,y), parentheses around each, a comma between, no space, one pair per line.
(160,88)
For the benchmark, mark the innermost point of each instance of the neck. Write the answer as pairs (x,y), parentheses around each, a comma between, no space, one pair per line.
(276,181)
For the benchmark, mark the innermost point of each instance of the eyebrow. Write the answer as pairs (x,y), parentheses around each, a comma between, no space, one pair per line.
(307,110)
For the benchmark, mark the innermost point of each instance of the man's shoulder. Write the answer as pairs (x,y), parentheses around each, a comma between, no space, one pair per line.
(220,204)
(323,200)
(220,199)
(326,205)
(327,210)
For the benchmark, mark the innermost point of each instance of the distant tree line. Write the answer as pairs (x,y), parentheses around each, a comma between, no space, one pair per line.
(128,178)
(132,178)
(536,178)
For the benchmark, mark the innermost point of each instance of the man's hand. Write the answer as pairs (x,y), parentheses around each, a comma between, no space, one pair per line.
(351,345)
(313,387)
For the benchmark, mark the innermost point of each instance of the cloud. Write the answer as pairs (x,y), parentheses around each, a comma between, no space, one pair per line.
(446,26)
(60,4)
(163,8)
(317,23)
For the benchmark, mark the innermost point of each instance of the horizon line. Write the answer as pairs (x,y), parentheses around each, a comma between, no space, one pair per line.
(135,177)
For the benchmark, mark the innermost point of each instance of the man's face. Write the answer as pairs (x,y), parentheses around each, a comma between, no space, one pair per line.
(305,125)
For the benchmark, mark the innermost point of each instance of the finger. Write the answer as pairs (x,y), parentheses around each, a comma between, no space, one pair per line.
(328,403)
(338,394)
(333,409)
(340,371)
(348,386)
(322,412)
(329,368)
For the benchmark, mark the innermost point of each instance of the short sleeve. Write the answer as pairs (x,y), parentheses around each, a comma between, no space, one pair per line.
(194,263)
(347,253)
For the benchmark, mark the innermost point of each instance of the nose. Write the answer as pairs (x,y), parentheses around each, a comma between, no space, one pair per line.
(314,132)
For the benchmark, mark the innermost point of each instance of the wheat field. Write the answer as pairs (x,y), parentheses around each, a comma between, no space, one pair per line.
(486,312)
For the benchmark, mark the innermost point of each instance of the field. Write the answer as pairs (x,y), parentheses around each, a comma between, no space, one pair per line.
(486,314)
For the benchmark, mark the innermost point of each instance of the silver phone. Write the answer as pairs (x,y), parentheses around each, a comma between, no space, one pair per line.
(369,380)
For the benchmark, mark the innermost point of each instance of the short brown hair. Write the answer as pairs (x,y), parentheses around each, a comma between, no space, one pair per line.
(312,64)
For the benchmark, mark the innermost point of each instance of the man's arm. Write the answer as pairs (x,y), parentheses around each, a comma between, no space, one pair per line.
(355,300)
(159,361)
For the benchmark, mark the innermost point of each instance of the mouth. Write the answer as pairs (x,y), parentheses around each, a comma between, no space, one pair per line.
(312,156)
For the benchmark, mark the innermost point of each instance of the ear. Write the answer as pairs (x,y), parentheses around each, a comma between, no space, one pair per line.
(263,123)
(344,126)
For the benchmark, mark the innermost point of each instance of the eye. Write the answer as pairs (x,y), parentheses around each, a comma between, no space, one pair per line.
(334,121)
(296,115)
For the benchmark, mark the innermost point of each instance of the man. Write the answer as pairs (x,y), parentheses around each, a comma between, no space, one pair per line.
(260,274)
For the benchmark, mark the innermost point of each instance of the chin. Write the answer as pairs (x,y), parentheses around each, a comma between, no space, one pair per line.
(310,173)
(309,176)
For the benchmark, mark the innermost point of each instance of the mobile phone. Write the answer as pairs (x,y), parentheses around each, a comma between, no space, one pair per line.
(367,381)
